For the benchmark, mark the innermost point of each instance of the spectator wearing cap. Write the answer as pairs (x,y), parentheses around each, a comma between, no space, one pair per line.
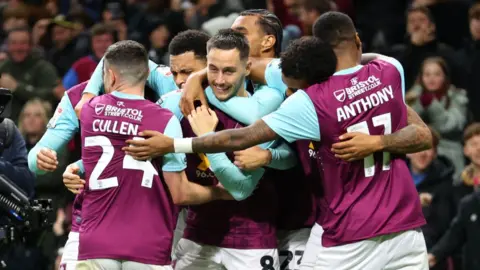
(433,177)
(26,74)
(102,36)
(470,58)
(63,51)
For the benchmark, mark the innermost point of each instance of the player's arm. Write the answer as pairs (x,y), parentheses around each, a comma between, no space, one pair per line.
(247,110)
(295,120)
(281,157)
(72,177)
(184,192)
(60,130)
(158,79)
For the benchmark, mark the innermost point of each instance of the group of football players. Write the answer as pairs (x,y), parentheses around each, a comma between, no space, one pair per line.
(247,179)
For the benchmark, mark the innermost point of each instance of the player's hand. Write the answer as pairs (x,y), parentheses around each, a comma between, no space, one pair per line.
(203,120)
(47,160)
(193,90)
(72,180)
(85,98)
(252,158)
(431,260)
(156,144)
(425,198)
(355,146)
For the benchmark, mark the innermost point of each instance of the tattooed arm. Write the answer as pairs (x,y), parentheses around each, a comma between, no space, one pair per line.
(234,139)
(413,138)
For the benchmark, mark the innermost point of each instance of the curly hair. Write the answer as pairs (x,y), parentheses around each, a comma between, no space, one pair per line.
(308,59)
(190,41)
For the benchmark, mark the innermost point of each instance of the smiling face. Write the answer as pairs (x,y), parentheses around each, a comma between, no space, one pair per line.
(433,77)
(226,72)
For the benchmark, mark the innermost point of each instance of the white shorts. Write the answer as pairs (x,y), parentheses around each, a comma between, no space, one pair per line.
(291,247)
(109,264)
(178,233)
(193,256)
(70,252)
(403,250)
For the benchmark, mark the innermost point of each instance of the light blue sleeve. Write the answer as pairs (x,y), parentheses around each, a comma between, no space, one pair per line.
(171,102)
(283,157)
(161,80)
(296,119)
(60,130)
(247,110)
(240,184)
(80,165)
(273,76)
(174,162)
(398,66)
(95,84)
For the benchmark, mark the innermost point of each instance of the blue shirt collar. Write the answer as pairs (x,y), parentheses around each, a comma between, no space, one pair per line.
(348,70)
(125,95)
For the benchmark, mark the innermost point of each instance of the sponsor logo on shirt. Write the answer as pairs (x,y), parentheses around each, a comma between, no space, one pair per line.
(116,111)
(357,88)
(53,121)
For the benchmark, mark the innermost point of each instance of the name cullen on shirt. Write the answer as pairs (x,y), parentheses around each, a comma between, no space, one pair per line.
(364,104)
(113,126)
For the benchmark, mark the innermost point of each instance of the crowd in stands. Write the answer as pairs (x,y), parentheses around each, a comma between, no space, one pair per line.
(48,46)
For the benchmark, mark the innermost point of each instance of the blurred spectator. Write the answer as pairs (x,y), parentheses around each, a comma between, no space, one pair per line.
(205,10)
(380,23)
(448,15)
(63,51)
(433,177)
(422,44)
(102,36)
(13,17)
(470,59)
(465,227)
(27,75)
(159,38)
(310,10)
(114,16)
(32,125)
(443,106)
(38,31)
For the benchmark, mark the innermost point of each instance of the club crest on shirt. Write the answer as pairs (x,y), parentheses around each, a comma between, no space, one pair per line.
(340,95)
(99,108)
(53,121)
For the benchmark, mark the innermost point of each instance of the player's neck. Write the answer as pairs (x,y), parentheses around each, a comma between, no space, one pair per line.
(346,59)
(242,92)
(138,90)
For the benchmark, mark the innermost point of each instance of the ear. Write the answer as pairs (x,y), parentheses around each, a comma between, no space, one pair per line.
(268,42)
(358,42)
(248,67)
(113,77)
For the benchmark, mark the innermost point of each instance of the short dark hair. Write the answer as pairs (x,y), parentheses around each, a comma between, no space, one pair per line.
(130,59)
(423,10)
(320,6)
(190,41)
(228,39)
(471,131)
(102,29)
(309,59)
(334,27)
(474,12)
(270,24)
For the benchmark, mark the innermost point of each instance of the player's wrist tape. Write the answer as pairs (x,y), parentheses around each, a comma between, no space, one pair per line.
(183,145)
